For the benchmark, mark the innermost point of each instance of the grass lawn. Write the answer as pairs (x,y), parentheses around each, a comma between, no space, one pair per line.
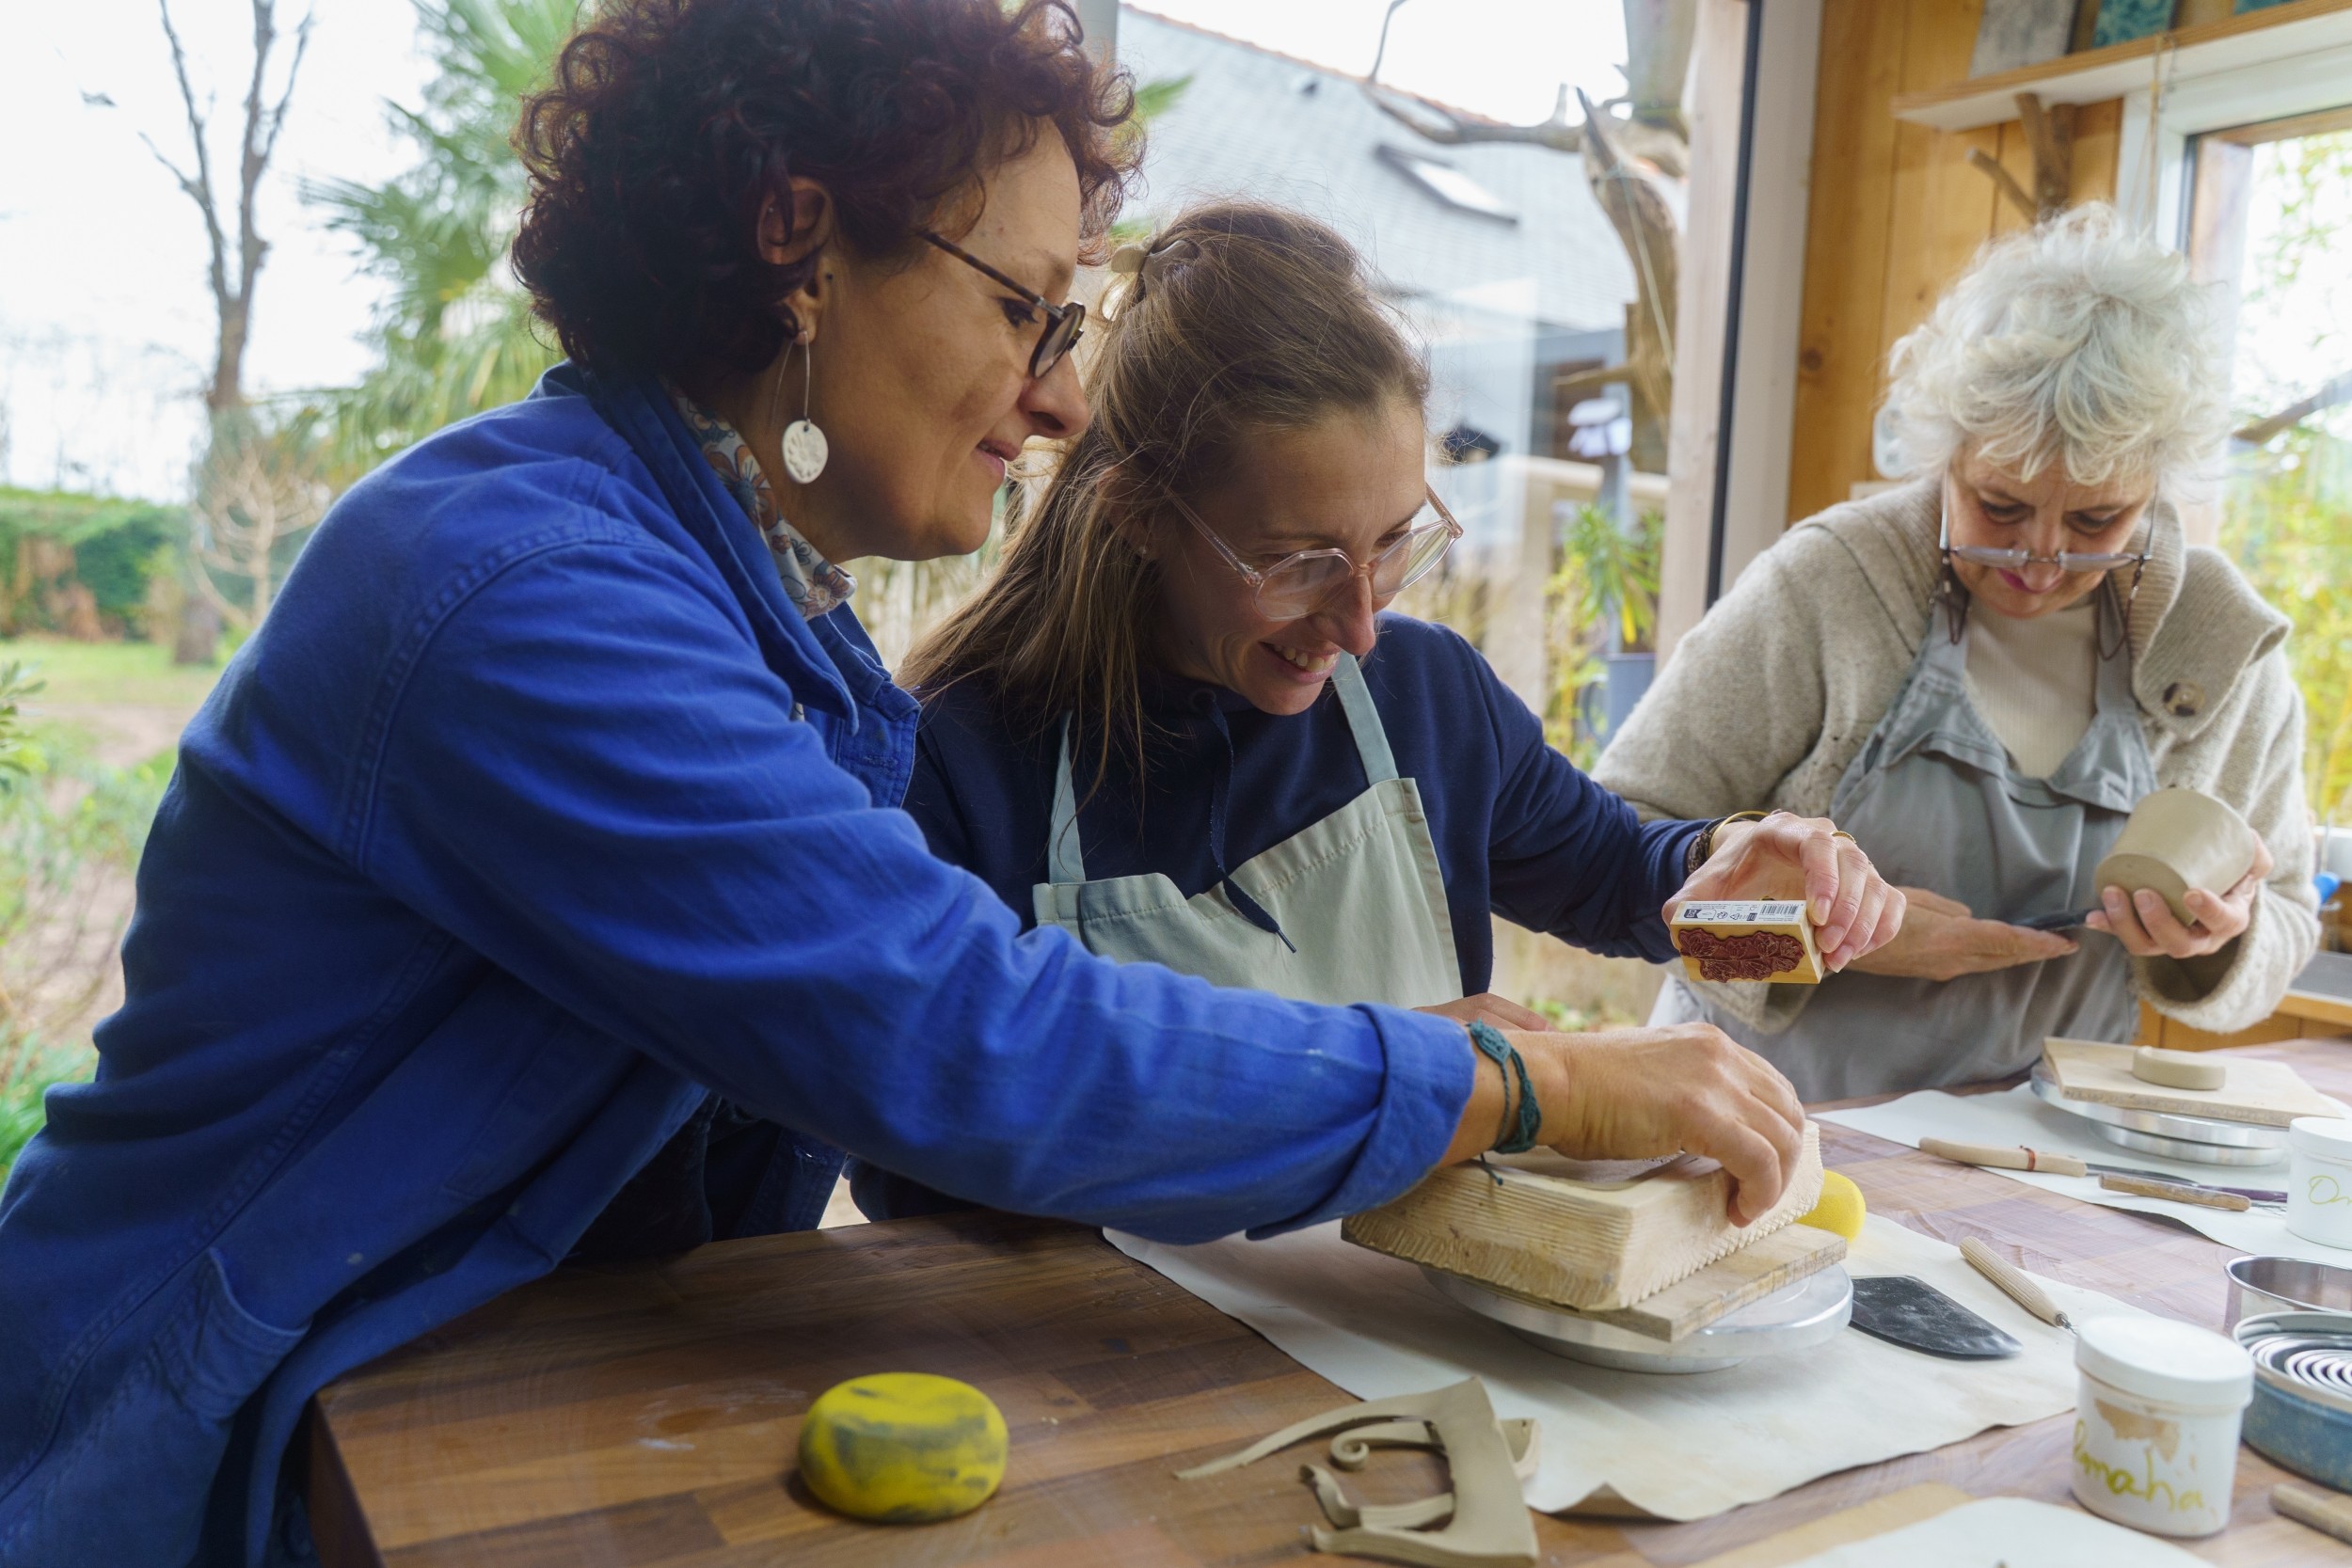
(79,674)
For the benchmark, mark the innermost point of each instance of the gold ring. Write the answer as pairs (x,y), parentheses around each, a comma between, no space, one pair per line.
(1841,832)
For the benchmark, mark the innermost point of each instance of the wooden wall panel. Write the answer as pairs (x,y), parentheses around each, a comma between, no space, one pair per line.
(1897,212)
(1844,248)
(2098,144)
(1942,209)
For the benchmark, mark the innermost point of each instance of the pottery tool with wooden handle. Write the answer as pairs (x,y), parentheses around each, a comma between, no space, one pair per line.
(2019,1157)
(2006,1157)
(2018,1289)
(2178,1191)
(2329,1512)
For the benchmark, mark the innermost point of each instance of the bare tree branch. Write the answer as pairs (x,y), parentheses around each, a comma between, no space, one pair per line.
(200,190)
(2330,394)
(1382,53)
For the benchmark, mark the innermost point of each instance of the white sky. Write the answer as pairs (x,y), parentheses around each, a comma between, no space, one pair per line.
(106,324)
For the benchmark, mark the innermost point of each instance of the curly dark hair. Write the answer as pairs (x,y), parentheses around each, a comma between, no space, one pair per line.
(670,123)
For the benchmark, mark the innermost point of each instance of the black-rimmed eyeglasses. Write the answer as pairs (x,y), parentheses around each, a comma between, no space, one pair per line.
(1064,323)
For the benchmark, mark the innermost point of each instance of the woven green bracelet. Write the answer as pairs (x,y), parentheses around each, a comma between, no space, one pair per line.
(1530,1120)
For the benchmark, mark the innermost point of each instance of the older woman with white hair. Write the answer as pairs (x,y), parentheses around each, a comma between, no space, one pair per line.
(1980,673)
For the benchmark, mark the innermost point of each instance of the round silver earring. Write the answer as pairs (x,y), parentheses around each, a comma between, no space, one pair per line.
(804,447)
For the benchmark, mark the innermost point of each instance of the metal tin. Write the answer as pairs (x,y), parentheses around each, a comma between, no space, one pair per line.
(1812,1311)
(2302,1417)
(2202,1140)
(2265,1284)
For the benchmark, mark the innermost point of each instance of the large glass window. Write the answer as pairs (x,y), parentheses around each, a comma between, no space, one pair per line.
(2271,225)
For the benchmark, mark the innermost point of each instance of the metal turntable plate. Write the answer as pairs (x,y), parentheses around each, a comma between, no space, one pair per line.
(2201,1139)
(1812,1311)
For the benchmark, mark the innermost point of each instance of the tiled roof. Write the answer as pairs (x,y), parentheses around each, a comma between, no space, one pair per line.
(1249,125)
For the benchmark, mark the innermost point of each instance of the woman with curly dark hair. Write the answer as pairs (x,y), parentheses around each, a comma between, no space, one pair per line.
(532,886)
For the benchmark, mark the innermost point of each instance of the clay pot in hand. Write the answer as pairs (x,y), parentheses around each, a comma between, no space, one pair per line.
(2178,839)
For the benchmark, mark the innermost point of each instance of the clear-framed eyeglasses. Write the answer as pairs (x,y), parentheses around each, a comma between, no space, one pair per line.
(2070,563)
(1299,583)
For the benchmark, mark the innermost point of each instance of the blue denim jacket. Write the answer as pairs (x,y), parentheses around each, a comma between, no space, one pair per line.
(532,816)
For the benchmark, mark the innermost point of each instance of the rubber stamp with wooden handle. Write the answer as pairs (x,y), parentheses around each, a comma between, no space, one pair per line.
(1747,938)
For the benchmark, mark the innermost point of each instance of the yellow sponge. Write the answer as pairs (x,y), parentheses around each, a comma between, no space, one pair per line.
(1840,1209)
(903,1447)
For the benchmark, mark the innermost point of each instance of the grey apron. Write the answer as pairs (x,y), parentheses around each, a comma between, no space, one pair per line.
(1936,804)
(1358,896)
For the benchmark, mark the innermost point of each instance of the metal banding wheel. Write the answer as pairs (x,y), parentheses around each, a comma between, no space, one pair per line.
(1812,1311)
(2200,1139)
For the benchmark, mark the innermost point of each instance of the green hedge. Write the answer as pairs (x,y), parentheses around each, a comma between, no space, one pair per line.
(118,546)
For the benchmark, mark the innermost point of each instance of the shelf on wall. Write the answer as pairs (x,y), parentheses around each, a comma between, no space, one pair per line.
(2297,28)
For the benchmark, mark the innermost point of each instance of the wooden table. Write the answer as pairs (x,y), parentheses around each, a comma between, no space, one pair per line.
(648,1415)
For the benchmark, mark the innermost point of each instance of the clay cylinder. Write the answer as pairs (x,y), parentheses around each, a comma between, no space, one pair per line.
(2178,839)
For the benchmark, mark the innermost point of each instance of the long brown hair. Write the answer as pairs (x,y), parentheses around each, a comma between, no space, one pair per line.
(1244,319)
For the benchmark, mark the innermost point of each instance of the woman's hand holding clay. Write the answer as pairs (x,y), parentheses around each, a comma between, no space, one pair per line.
(1787,856)
(2148,928)
(1942,940)
(1640,1094)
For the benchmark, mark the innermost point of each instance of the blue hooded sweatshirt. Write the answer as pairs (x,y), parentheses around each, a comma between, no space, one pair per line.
(532,818)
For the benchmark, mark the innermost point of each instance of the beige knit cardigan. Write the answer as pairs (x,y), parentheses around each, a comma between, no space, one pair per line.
(1765,704)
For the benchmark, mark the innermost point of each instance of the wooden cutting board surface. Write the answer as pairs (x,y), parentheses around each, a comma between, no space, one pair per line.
(2269,1094)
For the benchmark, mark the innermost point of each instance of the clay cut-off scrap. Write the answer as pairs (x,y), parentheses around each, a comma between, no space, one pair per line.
(1485,1519)
(1747,940)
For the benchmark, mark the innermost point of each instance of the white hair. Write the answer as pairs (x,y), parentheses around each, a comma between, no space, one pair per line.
(2077,342)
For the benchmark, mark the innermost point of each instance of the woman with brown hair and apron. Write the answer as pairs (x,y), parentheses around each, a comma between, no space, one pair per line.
(1176,723)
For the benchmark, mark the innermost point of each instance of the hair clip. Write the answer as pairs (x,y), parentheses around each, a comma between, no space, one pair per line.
(1146,262)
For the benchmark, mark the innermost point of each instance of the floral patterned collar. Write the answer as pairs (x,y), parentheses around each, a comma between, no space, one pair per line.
(814,584)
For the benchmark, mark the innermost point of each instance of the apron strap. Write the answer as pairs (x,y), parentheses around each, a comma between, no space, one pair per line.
(1363,720)
(1065,857)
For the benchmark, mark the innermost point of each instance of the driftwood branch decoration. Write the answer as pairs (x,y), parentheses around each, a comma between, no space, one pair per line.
(2005,183)
(2050,134)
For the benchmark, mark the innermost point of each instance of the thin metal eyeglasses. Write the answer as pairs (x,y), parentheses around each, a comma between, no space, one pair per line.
(1064,323)
(1296,584)
(2071,563)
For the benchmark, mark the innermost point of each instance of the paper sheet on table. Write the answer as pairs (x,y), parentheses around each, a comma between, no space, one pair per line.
(2017,1116)
(1682,1447)
(2014,1531)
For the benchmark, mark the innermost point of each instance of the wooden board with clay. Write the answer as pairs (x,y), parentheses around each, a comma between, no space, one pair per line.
(1755,1271)
(1568,1233)
(2269,1094)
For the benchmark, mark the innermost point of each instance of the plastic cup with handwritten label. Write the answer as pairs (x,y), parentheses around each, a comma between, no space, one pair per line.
(2156,1413)
(2319,1182)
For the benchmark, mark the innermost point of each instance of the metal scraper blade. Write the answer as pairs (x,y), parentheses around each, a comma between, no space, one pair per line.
(1915,1314)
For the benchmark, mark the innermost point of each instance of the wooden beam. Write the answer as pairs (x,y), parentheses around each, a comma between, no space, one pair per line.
(2289,129)
(1693,448)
